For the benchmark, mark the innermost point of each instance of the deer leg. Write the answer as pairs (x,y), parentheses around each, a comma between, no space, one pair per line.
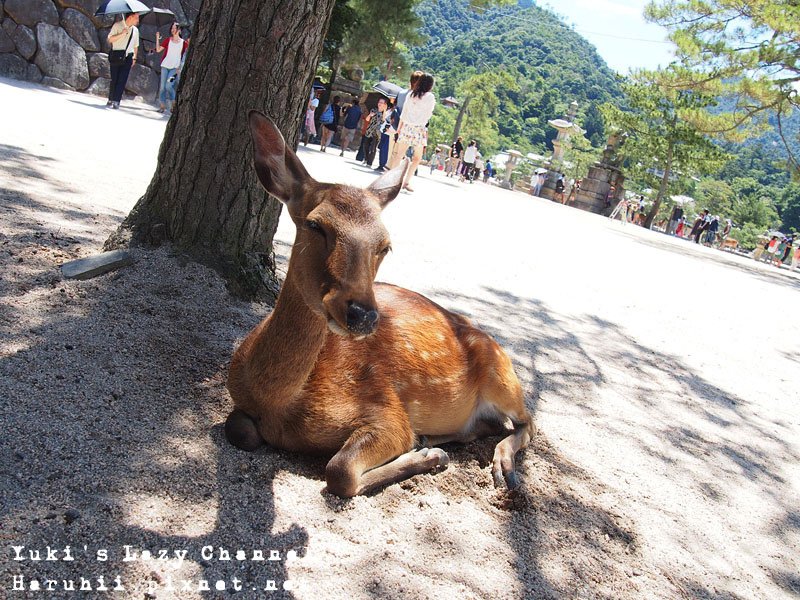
(503,467)
(482,428)
(374,457)
(241,431)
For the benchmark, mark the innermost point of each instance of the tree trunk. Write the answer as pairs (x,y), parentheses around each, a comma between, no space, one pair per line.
(662,189)
(204,196)
(459,118)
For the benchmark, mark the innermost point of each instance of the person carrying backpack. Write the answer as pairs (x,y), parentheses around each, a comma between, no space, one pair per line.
(329,121)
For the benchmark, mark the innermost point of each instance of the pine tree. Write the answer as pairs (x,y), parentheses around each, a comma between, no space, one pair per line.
(664,139)
(746,49)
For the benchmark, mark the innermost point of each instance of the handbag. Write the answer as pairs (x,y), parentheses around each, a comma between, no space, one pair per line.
(116,58)
(327,116)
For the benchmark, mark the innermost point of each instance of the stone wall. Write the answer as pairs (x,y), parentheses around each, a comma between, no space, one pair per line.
(61,44)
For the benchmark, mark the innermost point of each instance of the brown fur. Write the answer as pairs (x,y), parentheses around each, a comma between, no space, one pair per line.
(423,371)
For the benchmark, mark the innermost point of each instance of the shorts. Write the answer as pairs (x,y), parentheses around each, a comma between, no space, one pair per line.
(413,135)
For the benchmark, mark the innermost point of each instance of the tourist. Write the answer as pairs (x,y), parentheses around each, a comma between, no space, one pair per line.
(397,112)
(620,209)
(702,226)
(476,172)
(560,188)
(675,216)
(537,182)
(186,34)
(796,258)
(173,48)
(680,227)
(373,132)
(777,254)
(468,160)
(311,110)
(365,121)
(711,233)
(124,40)
(726,231)
(387,134)
(456,150)
(436,160)
(611,196)
(573,192)
(351,118)
(789,246)
(412,132)
(488,171)
(641,214)
(330,122)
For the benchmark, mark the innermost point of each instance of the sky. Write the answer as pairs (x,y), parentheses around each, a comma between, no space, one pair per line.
(618,30)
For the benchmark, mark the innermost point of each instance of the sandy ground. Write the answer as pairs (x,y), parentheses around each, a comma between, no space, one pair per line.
(663,378)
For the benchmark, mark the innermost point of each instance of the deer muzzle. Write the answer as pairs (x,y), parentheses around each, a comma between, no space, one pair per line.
(361,320)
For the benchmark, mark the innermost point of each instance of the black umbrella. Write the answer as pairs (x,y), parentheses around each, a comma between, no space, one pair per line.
(388,89)
(116,7)
(158,17)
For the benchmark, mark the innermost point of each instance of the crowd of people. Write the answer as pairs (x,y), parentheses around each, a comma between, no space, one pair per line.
(394,128)
(778,249)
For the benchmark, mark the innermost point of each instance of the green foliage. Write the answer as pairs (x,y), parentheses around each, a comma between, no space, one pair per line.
(343,18)
(579,152)
(485,92)
(550,64)
(664,139)
(747,50)
(790,208)
(440,127)
(754,204)
(747,235)
(715,195)
(377,34)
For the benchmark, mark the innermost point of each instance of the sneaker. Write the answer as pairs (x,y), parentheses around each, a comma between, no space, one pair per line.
(109,103)
(115,105)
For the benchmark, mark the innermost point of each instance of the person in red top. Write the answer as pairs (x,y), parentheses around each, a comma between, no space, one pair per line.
(173,48)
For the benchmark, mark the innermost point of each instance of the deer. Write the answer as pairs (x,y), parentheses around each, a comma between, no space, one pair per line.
(371,374)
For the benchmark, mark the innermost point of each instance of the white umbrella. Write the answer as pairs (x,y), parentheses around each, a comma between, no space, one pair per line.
(116,7)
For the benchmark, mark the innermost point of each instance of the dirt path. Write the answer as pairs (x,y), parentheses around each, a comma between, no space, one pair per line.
(663,378)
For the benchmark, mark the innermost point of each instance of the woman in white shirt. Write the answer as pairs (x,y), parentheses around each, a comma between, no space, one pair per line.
(413,130)
(173,47)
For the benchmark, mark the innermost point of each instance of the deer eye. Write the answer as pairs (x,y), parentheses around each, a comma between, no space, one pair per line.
(315,227)
(385,250)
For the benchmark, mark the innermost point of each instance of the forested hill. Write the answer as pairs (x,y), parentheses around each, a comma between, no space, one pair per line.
(552,64)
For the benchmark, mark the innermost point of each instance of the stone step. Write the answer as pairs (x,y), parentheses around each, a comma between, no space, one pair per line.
(92,266)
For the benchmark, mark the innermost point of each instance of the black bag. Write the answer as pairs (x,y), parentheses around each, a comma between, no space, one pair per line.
(116,58)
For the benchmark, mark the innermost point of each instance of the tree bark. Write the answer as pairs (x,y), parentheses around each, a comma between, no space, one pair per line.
(204,196)
(662,189)
(459,119)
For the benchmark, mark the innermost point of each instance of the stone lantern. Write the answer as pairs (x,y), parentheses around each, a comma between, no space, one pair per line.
(566,127)
(514,158)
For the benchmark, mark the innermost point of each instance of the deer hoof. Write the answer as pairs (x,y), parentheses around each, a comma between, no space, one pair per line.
(436,458)
(512,480)
(241,431)
(509,479)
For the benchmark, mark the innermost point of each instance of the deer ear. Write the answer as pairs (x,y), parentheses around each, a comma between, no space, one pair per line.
(387,186)
(277,166)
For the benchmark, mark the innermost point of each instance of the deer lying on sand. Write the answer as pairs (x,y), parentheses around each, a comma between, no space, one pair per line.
(362,371)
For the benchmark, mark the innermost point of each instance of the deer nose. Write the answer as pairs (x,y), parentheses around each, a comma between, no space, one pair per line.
(361,319)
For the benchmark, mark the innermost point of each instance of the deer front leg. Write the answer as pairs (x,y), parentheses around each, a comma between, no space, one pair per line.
(375,456)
